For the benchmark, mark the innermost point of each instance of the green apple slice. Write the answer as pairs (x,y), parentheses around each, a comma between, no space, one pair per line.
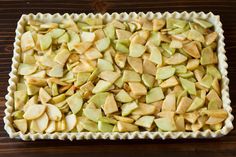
(92,114)
(101,86)
(145,121)
(57,32)
(99,98)
(130,76)
(89,125)
(93,53)
(196,104)
(123,96)
(165,124)
(165,72)
(203,23)
(121,48)
(136,50)
(148,80)
(104,127)
(155,56)
(155,94)
(62,56)
(109,76)
(63,39)
(127,108)
(120,59)
(188,85)
(81,78)
(104,65)
(136,64)
(34,111)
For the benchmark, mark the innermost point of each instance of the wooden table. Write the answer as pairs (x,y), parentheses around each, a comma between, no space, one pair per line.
(10,12)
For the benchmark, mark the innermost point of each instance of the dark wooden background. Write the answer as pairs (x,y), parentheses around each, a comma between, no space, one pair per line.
(10,12)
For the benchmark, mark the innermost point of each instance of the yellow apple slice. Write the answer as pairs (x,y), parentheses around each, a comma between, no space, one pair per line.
(51,127)
(71,122)
(42,122)
(21,124)
(110,105)
(126,127)
(34,111)
(53,112)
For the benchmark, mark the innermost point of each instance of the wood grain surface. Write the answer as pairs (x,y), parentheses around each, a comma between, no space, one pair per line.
(10,12)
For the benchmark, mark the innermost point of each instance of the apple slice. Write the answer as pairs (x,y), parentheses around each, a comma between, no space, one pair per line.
(51,127)
(192,49)
(53,112)
(123,96)
(34,111)
(21,124)
(61,125)
(82,47)
(144,109)
(136,64)
(175,59)
(102,44)
(169,103)
(89,125)
(104,127)
(128,108)
(20,98)
(213,71)
(158,24)
(195,35)
(26,69)
(136,50)
(70,122)
(206,81)
(191,117)
(126,127)
(101,86)
(192,64)
(32,89)
(27,41)
(196,104)
(62,56)
(81,78)
(124,119)
(122,34)
(155,56)
(109,30)
(170,82)
(120,59)
(44,96)
(109,76)
(110,105)
(122,48)
(74,39)
(149,67)
(165,124)
(42,122)
(203,23)
(92,114)
(56,71)
(180,124)
(99,98)
(165,72)
(104,65)
(45,41)
(183,105)
(93,53)
(188,85)
(145,121)
(63,39)
(137,88)
(148,80)
(155,94)
(87,36)
(75,102)
(130,76)
(57,32)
